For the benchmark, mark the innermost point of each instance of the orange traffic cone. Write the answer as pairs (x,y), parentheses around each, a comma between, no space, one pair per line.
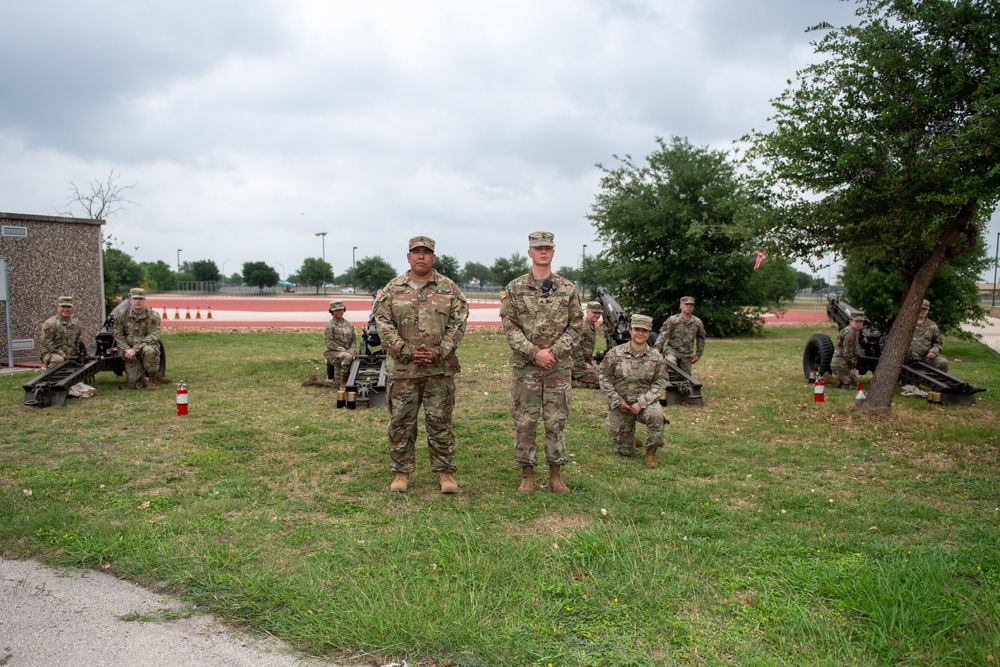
(187,315)
(164,314)
(177,314)
(209,313)
(197,314)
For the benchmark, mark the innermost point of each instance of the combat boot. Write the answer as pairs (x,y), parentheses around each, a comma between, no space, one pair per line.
(448,483)
(313,381)
(527,480)
(401,483)
(151,381)
(555,480)
(650,458)
(828,379)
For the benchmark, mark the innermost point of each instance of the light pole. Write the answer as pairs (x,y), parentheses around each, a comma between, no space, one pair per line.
(354,262)
(584,260)
(996,256)
(322,236)
(282,268)
(178,261)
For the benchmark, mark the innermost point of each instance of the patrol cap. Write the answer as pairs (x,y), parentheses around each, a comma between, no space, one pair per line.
(642,322)
(337,305)
(65,301)
(926,304)
(137,292)
(594,306)
(422,242)
(687,299)
(541,240)
(858,317)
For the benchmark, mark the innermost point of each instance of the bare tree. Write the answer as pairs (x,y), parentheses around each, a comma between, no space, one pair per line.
(105,197)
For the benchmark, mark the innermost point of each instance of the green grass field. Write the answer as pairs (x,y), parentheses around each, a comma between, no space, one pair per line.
(776,531)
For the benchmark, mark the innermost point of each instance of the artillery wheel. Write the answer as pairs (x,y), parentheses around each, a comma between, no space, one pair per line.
(817,355)
(162,370)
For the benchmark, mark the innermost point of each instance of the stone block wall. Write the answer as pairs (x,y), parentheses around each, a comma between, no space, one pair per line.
(58,257)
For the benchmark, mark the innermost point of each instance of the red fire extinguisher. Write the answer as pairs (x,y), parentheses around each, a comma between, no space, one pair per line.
(818,389)
(182,399)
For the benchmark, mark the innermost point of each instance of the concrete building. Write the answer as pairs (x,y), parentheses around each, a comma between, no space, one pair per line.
(48,257)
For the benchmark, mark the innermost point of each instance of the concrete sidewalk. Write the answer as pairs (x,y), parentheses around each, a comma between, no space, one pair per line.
(53,619)
(990,333)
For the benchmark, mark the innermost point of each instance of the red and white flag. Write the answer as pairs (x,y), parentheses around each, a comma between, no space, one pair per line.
(760,258)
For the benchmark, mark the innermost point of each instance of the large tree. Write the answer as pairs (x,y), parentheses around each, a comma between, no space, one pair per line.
(259,275)
(505,269)
(205,270)
(101,198)
(448,266)
(159,275)
(891,144)
(121,273)
(372,273)
(669,230)
(480,273)
(315,271)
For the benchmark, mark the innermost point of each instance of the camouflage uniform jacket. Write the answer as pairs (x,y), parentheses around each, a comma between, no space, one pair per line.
(60,336)
(583,351)
(926,338)
(847,346)
(683,337)
(630,376)
(142,329)
(533,322)
(434,315)
(339,335)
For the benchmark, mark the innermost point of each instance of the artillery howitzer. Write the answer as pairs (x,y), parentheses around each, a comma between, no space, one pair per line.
(871,343)
(52,387)
(681,387)
(366,382)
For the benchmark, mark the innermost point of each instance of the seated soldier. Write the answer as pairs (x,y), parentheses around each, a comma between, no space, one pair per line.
(137,332)
(60,334)
(845,358)
(925,346)
(339,354)
(633,376)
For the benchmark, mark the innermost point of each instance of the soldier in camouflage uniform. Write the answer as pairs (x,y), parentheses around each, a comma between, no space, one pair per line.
(682,337)
(584,371)
(420,317)
(137,332)
(926,343)
(844,365)
(60,334)
(339,354)
(541,318)
(633,376)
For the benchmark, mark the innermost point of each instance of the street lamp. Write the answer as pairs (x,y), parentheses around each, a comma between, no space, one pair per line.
(354,262)
(584,260)
(996,256)
(322,236)
(178,261)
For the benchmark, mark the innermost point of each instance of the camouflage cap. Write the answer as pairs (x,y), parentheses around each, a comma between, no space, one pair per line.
(337,305)
(926,304)
(594,306)
(642,322)
(858,316)
(65,301)
(687,299)
(137,292)
(541,240)
(422,242)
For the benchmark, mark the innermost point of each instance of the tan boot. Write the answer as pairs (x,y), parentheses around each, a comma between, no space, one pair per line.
(401,483)
(555,480)
(313,381)
(448,483)
(151,382)
(650,459)
(527,480)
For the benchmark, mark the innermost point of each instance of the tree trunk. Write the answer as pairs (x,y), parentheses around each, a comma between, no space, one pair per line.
(883,387)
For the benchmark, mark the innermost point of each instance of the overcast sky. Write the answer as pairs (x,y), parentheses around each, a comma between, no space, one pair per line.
(250,126)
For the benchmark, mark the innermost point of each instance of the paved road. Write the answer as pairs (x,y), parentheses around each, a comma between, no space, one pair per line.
(990,333)
(51,619)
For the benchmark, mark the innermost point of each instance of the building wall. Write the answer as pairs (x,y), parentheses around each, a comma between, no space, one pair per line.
(59,257)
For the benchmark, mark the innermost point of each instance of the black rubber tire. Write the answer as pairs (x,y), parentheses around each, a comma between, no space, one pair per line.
(163,360)
(817,355)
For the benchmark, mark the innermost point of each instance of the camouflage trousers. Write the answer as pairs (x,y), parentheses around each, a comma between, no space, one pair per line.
(939,362)
(50,359)
(682,361)
(848,376)
(337,364)
(404,397)
(585,378)
(147,360)
(621,428)
(538,392)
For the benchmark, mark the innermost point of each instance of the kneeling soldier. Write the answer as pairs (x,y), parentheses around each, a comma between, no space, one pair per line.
(633,375)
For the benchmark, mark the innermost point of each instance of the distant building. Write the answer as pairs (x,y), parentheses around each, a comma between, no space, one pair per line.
(48,257)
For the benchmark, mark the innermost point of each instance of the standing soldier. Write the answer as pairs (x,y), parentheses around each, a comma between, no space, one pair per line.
(584,371)
(926,343)
(137,331)
(682,337)
(541,318)
(60,334)
(632,378)
(339,339)
(420,317)
(844,365)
